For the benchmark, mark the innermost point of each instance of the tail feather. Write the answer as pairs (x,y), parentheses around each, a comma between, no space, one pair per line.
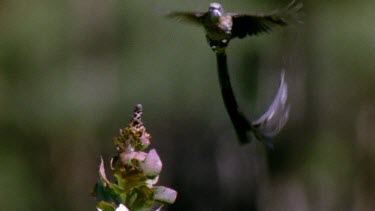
(274,119)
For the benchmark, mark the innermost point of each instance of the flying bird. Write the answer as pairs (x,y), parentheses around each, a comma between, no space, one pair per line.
(221,27)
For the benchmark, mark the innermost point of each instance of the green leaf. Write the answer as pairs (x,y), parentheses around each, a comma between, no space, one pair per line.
(106,188)
(140,199)
(100,193)
(118,142)
(129,179)
(105,206)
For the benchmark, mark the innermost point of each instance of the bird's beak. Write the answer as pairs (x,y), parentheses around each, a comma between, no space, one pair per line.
(216,13)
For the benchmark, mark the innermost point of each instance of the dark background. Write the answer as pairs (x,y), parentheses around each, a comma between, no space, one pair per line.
(72,71)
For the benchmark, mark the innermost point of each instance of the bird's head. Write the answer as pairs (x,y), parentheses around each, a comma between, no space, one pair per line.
(215,10)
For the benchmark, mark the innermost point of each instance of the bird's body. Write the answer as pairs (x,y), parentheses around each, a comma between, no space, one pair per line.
(218,33)
(217,25)
(221,27)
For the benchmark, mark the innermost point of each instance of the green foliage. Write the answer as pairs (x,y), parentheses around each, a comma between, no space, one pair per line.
(135,172)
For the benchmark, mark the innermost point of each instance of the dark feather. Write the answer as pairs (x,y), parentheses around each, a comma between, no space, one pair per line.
(240,123)
(253,24)
(191,17)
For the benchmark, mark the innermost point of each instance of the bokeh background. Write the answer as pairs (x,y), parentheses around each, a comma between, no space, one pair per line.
(72,71)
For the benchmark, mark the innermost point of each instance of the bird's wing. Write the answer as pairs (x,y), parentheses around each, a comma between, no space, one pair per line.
(253,24)
(191,17)
(271,122)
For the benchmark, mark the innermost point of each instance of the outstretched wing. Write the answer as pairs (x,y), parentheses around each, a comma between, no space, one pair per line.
(271,122)
(253,24)
(191,17)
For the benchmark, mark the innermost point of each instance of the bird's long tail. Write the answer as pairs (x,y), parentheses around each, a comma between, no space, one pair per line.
(274,119)
(269,124)
(239,121)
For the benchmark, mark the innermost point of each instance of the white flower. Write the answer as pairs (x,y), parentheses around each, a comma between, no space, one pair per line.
(122,208)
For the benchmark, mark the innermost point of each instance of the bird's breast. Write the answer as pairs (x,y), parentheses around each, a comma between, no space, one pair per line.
(220,29)
(225,23)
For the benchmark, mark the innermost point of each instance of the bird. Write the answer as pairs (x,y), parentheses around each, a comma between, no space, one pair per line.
(221,27)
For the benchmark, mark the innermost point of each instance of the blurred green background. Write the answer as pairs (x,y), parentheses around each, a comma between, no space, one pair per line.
(72,71)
